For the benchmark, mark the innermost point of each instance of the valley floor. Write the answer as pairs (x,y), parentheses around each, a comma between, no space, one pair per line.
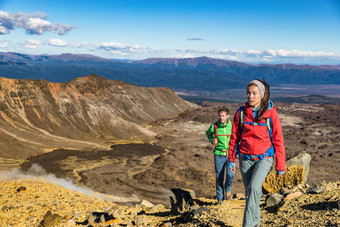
(181,157)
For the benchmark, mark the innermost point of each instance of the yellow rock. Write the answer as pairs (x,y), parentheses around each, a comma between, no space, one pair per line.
(294,175)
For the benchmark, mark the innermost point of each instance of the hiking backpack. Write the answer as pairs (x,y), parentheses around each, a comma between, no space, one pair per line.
(270,152)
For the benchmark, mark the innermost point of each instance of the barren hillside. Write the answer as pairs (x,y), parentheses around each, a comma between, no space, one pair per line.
(87,112)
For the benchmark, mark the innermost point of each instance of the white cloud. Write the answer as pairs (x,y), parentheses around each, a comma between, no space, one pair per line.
(150,49)
(3,29)
(195,39)
(185,55)
(33,42)
(270,55)
(57,42)
(253,52)
(116,52)
(228,52)
(297,53)
(4,44)
(80,45)
(195,51)
(30,46)
(279,55)
(34,24)
(118,48)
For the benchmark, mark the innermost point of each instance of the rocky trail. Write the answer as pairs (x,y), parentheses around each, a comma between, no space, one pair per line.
(36,202)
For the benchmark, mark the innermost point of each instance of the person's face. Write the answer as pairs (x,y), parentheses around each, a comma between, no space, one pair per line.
(223,117)
(254,96)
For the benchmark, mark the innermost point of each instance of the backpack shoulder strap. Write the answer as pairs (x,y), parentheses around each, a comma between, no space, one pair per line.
(241,122)
(270,128)
(215,129)
(241,116)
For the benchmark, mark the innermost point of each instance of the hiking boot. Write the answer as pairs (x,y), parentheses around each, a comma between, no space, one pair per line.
(219,202)
(229,196)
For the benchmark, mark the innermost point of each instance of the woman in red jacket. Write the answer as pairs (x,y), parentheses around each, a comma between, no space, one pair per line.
(256,139)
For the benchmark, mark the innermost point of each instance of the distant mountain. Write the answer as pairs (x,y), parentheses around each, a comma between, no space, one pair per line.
(10,56)
(310,99)
(274,74)
(37,115)
(201,73)
(194,62)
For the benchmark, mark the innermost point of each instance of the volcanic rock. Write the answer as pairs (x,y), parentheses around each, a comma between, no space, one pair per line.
(294,175)
(146,203)
(285,191)
(51,220)
(274,199)
(22,188)
(301,159)
(181,199)
(316,190)
(292,195)
(239,196)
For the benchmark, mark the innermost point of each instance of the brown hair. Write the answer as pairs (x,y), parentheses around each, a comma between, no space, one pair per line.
(264,100)
(223,108)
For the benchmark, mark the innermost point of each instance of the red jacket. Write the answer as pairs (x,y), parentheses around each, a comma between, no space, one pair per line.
(256,139)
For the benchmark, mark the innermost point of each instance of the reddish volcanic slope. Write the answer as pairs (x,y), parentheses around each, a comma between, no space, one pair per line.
(37,115)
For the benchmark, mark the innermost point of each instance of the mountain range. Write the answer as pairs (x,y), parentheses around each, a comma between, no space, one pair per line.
(200,73)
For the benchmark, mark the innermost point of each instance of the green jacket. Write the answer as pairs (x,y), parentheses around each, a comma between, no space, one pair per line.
(223,137)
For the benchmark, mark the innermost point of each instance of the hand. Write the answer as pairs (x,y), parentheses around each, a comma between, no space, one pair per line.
(231,166)
(215,142)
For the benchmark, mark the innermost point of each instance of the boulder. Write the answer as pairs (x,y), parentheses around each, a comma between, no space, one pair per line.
(99,217)
(285,191)
(166,224)
(239,196)
(71,222)
(146,203)
(274,199)
(293,195)
(301,159)
(181,199)
(294,175)
(188,217)
(316,190)
(51,220)
(22,188)
(140,220)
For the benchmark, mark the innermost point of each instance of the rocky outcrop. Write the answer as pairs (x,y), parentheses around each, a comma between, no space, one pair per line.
(293,176)
(181,199)
(301,159)
(82,113)
(297,173)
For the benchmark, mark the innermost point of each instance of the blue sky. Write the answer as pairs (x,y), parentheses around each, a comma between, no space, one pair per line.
(270,31)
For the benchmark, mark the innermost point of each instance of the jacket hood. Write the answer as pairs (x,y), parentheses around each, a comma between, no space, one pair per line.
(268,112)
(270,104)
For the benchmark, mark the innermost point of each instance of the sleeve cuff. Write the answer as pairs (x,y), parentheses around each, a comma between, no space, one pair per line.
(280,172)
